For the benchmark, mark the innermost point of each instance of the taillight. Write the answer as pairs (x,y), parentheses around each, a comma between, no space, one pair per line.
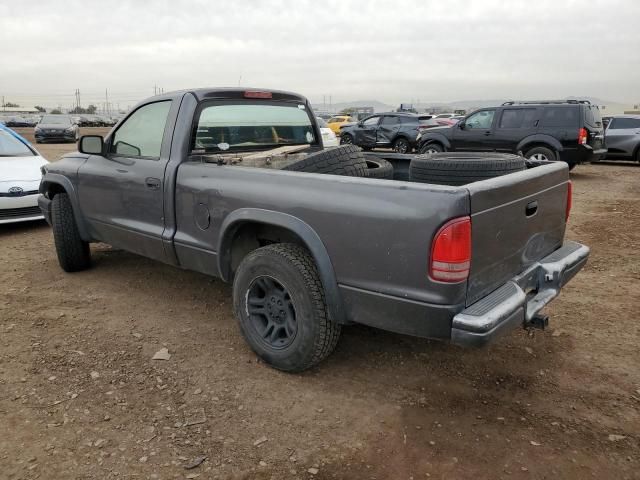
(582,136)
(451,251)
(257,94)
(569,200)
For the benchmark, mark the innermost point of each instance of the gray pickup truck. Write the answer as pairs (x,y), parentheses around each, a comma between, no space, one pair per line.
(235,183)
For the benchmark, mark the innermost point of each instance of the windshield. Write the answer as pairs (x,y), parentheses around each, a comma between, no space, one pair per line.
(55,120)
(321,123)
(235,127)
(10,146)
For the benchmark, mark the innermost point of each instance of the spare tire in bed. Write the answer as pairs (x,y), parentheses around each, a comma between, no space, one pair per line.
(344,160)
(453,168)
(378,167)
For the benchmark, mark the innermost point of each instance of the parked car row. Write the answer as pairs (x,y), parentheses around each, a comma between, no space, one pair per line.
(19,121)
(568,130)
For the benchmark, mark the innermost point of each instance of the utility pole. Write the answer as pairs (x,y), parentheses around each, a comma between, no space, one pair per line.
(106,98)
(3,109)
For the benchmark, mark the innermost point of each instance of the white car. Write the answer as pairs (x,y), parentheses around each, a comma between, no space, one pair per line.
(329,138)
(19,179)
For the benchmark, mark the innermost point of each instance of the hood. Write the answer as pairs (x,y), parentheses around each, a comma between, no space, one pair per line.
(54,126)
(24,169)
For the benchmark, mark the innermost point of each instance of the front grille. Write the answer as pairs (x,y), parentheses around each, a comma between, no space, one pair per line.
(21,194)
(8,213)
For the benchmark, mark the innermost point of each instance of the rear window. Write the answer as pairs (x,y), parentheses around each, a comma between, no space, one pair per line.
(624,123)
(517,118)
(592,116)
(251,126)
(565,116)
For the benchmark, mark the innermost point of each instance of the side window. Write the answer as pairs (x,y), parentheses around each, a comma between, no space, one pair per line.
(560,116)
(481,119)
(517,118)
(141,134)
(624,123)
(371,121)
(390,121)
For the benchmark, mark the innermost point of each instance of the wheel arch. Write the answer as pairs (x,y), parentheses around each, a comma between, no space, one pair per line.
(534,141)
(286,227)
(431,138)
(51,185)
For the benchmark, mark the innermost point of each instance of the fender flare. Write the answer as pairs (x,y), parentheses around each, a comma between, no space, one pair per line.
(311,239)
(56,179)
(428,138)
(539,138)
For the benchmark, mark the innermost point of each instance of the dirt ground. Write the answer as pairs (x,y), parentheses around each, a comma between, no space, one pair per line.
(80,396)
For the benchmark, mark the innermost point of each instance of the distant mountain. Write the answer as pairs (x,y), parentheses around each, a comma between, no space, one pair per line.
(337,107)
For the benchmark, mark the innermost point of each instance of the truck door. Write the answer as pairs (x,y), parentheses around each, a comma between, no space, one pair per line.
(513,125)
(122,193)
(367,132)
(387,130)
(475,132)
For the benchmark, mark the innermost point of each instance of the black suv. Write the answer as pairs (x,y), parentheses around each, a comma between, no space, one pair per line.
(396,130)
(569,130)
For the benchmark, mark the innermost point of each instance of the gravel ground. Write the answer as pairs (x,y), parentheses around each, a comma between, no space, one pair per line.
(80,396)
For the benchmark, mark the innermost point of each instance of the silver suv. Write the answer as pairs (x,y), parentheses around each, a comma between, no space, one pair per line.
(623,137)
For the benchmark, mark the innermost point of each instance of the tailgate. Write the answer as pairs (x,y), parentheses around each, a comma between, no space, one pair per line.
(516,219)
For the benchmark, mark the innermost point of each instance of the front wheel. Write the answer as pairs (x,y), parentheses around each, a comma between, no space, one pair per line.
(73,252)
(279,302)
(431,148)
(346,139)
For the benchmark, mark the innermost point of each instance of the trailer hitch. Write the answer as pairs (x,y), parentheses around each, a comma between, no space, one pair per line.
(539,321)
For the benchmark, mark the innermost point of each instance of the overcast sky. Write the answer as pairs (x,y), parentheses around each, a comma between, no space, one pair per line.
(392,51)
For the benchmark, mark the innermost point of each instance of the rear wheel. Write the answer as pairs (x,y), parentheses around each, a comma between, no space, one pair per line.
(431,148)
(542,154)
(401,145)
(280,305)
(73,252)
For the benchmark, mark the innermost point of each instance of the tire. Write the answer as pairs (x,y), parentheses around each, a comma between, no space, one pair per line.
(346,139)
(431,148)
(462,168)
(344,160)
(378,167)
(541,154)
(280,306)
(401,145)
(73,252)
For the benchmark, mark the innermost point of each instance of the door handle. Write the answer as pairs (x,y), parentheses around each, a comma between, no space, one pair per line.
(531,208)
(152,183)
(487,133)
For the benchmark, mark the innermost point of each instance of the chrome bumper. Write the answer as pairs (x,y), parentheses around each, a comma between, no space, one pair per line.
(519,300)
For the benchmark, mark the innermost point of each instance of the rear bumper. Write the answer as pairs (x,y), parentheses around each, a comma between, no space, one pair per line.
(519,300)
(582,154)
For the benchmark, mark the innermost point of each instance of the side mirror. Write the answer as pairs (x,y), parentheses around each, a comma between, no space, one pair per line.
(91,144)
(461,125)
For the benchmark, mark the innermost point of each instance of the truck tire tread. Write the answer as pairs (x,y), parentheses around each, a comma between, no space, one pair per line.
(345,160)
(73,253)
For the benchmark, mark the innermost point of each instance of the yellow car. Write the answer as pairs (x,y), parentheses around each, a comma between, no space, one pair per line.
(339,120)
